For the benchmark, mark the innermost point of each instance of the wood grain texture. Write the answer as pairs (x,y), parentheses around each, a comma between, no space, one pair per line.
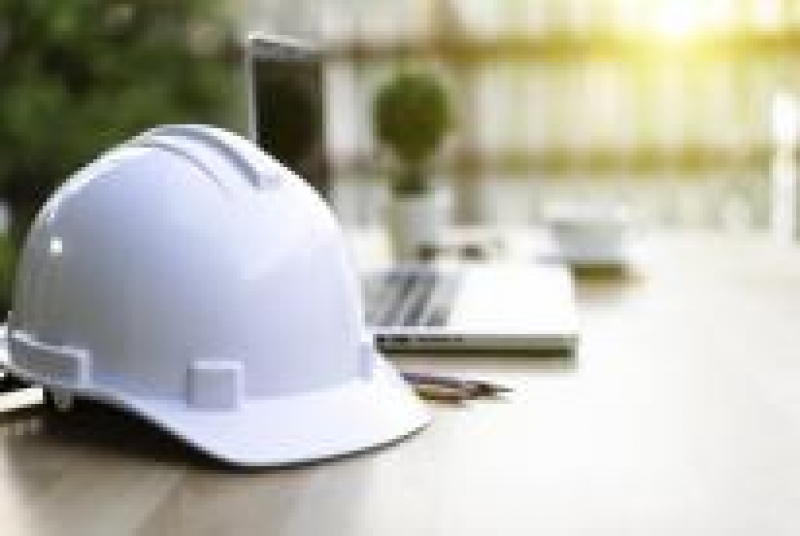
(680,416)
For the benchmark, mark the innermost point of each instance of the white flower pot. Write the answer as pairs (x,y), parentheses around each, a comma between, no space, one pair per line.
(412,222)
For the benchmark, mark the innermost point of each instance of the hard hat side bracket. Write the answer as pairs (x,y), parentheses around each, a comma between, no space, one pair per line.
(215,385)
(46,362)
(366,358)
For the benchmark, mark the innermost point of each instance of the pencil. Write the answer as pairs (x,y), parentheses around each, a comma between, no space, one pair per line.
(473,388)
(439,393)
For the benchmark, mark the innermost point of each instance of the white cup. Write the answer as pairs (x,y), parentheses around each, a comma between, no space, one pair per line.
(589,232)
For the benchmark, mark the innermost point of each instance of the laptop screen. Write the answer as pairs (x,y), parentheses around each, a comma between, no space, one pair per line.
(287,111)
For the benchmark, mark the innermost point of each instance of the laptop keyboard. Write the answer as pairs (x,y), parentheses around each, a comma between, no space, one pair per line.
(410,298)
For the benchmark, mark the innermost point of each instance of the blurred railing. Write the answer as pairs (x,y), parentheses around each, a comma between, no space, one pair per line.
(638,99)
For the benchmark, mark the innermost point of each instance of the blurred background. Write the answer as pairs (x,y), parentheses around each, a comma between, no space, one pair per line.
(677,108)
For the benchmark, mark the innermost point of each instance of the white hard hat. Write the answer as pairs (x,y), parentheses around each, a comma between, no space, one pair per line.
(191,279)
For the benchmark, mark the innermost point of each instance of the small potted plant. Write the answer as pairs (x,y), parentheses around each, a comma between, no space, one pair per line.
(412,114)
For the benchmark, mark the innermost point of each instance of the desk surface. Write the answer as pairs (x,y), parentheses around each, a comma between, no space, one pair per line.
(681,415)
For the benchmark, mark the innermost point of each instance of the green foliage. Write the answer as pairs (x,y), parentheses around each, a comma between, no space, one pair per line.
(79,76)
(412,114)
(7,270)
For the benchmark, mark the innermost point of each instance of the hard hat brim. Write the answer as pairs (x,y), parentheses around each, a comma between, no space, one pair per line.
(354,416)
(357,415)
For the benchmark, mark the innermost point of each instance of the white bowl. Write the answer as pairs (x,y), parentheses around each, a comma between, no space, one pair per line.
(590,233)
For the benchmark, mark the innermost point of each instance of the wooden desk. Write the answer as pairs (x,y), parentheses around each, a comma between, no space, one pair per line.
(680,416)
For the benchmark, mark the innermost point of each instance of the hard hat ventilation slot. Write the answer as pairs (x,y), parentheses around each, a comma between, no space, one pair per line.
(215,385)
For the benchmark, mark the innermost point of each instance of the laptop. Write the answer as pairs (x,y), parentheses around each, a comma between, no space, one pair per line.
(526,307)
(474,307)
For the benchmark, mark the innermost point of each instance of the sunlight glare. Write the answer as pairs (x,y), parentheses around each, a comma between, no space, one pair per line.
(678,20)
(785,119)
